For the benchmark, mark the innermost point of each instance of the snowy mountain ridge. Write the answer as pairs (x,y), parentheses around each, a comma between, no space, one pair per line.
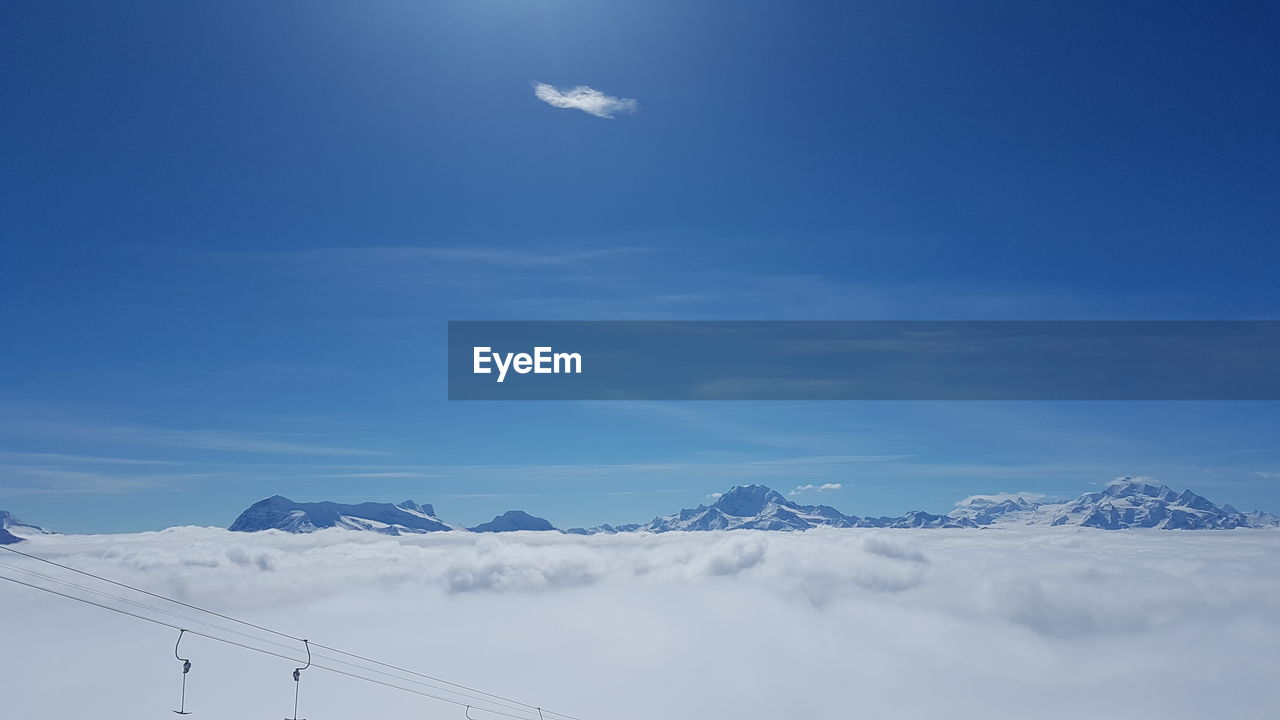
(1125,503)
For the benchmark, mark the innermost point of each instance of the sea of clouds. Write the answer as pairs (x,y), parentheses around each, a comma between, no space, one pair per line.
(998,623)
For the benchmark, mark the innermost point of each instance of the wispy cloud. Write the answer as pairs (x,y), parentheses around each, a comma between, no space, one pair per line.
(383,475)
(22,480)
(421,257)
(81,459)
(227,441)
(584,98)
(833,460)
(497,256)
(193,439)
(825,487)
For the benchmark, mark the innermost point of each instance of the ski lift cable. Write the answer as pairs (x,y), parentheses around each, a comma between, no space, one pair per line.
(246,623)
(141,605)
(190,620)
(270,653)
(106,596)
(446,682)
(158,596)
(234,643)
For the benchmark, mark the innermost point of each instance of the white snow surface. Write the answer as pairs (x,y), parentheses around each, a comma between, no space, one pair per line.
(1006,622)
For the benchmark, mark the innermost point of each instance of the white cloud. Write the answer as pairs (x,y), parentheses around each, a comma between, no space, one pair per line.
(632,626)
(587,99)
(825,487)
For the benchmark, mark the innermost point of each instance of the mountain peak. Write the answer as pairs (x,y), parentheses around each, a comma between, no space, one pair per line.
(751,507)
(281,513)
(10,523)
(749,500)
(513,520)
(412,506)
(1129,486)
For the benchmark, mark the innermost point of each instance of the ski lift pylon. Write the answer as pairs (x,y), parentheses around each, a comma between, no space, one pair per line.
(297,680)
(186,668)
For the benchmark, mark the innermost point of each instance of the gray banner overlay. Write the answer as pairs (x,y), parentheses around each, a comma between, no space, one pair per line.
(1054,360)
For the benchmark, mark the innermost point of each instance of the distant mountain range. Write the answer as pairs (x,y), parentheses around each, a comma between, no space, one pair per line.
(1125,503)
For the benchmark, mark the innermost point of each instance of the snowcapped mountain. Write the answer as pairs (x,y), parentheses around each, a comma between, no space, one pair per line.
(15,528)
(8,538)
(1125,503)
(1129,503)
(513,520)
(756,507)
(281,513)
(988,509)
(751,507)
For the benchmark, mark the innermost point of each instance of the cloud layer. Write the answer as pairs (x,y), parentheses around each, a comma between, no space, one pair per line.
(908,624)
(587,99)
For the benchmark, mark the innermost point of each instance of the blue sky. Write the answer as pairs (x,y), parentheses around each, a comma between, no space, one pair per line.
(233,234)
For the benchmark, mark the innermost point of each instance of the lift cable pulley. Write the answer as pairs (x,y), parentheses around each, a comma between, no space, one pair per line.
(186,668)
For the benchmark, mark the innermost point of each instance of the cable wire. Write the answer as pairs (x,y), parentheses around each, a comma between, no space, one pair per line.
(234,643)
(190,620)
(494,699)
